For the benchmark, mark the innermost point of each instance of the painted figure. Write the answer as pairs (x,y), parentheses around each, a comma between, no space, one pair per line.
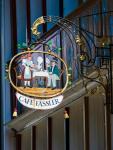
(54,74)
(27,72)
(40,68)
(39,63)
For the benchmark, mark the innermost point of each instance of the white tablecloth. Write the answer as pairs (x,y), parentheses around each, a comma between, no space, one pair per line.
(40,74)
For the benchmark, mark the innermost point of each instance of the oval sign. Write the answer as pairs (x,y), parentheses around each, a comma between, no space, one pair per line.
(38,103)
(38,74)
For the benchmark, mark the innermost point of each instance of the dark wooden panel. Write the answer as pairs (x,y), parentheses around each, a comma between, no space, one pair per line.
(76,126)
(13,27)
(18,142)
(96,123)
(28,21)
(49,133)
(58,131)
(26,140)
(61,5)
(110,7)
(14,48)
(34,138)
(41,135)
(86,122)
(112,132)
(66,128)
(108,121)
(44,12)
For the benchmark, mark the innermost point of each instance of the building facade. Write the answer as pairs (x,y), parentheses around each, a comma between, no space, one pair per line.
(88,125)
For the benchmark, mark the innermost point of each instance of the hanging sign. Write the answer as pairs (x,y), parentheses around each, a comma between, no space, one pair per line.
(37,78)
(37,75)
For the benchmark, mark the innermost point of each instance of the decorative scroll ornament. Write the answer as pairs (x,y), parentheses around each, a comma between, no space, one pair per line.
(36,24)
(78,40)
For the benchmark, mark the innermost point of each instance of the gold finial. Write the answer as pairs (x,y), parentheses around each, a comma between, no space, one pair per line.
(66,115)
(15,113)
(49,51)
(28,49)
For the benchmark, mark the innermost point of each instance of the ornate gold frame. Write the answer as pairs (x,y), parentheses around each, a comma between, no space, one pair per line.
(33,95)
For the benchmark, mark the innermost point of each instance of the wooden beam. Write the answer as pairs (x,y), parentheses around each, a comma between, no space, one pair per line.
(61,6)
(86,122)
(66,130)
(13,27)
(49,134)
(34,138)
(107,120)
(44,13)
(14,48)
(28,21)
(18,141)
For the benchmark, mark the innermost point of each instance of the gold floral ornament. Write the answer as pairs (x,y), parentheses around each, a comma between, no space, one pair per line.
(78,40)
(36,24)
(82,57)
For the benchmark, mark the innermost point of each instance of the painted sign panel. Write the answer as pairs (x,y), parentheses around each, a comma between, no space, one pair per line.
(38,74)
